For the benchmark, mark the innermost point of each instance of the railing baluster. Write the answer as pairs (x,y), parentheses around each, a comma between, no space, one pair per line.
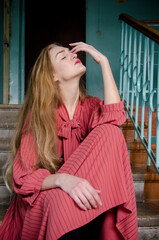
(125,63)
(129,68)
(121,59)
(150,108)
(144,86)
(134,73)
(138,84)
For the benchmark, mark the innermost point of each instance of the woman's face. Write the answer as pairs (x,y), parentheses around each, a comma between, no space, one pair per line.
(66,64)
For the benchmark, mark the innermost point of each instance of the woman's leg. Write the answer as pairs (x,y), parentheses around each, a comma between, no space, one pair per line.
(103,160)
(109,230)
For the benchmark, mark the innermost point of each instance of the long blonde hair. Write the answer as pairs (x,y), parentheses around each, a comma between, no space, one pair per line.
(41,100)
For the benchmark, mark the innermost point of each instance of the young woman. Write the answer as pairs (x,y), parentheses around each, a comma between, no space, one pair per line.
(70,170)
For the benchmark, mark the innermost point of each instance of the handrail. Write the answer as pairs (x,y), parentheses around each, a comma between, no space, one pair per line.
(141,27)
(151,22)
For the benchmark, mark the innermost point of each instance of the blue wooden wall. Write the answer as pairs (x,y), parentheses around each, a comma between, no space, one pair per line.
(1,51)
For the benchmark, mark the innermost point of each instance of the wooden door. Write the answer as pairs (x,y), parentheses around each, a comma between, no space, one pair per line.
(52,21)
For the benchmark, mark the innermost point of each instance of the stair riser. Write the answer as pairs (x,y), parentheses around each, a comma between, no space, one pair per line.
(3,159)
(129,135)
(139,191)
(8,116)
(4,195)
(6,133)
(151,190)
(138,158)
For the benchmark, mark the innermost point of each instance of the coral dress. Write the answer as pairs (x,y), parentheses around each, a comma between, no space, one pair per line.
(92,147)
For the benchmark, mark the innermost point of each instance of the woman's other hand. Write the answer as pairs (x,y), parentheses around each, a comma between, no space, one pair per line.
(81,191)
(95,54)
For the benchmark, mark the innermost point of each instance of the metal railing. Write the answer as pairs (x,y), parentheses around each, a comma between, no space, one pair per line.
(139,81)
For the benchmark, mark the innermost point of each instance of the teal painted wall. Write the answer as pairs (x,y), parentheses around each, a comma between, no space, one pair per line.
(103,15)
(1,52)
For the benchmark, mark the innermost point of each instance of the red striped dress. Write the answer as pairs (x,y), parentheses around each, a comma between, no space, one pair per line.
(93,147)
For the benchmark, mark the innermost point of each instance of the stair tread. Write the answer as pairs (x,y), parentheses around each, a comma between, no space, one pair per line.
(7,125)
(10,106)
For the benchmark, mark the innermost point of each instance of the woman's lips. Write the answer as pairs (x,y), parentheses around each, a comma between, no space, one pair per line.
(78,61)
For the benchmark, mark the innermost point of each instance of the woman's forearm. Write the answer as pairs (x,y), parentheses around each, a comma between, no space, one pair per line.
(51,181)
(111,94)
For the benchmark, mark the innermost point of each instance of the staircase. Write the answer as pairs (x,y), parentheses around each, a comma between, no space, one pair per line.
(146,181)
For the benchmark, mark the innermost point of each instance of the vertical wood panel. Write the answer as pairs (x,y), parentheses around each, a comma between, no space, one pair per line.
(6,42)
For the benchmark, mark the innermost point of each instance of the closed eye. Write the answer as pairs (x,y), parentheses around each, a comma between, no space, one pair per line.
(63,57)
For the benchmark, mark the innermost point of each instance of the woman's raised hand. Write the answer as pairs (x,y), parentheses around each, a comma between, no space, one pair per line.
(80,46)
(81,191)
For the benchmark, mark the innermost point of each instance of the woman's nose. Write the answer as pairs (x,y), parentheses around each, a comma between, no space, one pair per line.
(73,55)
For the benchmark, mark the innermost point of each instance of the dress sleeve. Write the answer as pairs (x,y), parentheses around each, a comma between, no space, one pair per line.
(27,181)
(110,113)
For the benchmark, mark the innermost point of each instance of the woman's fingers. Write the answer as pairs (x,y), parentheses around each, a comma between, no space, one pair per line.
(78,202)
(93,196)
(80,46)
(95,193)
(87,195)
(85,201)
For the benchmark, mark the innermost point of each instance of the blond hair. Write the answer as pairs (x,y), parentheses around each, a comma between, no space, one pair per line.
(41,100)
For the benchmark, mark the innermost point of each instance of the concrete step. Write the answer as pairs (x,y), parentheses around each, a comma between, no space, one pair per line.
(138,180)
(7,130)
(9,112)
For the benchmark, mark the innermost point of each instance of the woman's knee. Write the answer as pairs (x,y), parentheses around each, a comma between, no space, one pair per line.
(108,132)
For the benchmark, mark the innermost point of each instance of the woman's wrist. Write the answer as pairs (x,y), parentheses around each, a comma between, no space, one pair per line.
(103,61)
(60,179)
(52,181)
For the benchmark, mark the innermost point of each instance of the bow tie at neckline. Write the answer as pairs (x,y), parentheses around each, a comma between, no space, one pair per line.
(67,126)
